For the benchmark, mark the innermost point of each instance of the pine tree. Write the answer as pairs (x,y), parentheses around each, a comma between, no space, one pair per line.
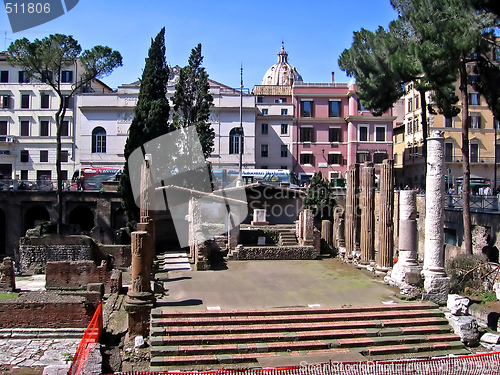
(192,100)
(150,120)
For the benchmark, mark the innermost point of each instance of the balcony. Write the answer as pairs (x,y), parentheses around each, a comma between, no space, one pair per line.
(7,139)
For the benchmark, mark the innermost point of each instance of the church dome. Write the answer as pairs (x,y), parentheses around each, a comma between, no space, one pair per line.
(281,73)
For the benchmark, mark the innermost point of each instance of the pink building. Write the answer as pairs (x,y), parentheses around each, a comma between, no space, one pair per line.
(312,127)
(333,131)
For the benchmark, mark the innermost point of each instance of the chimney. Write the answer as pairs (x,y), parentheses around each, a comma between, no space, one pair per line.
(333,77)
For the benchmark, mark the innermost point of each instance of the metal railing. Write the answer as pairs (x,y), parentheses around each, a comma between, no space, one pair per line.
(35,185)
(476,203)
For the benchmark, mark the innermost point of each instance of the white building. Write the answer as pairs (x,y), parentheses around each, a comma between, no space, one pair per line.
(28,128)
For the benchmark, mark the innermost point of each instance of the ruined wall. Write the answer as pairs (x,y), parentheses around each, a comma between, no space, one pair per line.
(73,275)
(121,257)
(48,310)
(278,253)
(35,252)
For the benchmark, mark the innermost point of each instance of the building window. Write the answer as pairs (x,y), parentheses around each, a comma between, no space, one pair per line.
(3,127)
(415,125)
(44,156)
(260,99)
(65,130)
(25,156)
(67,76)
(98,140)
(44,100)
(234,141)
(265,111)
(23,77)
(264,129)
(4,76)
(334,109)
(474,152)
(264,151)
(363,133)
(25,100)
(448,122)
(5,101)
(410,104)
(306,134)
(306,108)
(64,156)
(380,133)
(362,156)
(284,151)
(25,128)
(24,174)
(335,159)
(44,128)
(307,159)
(409,126)
(379,157)
(280,100)
(417,102)
(448,152)
(474,99)
(334,135)
(475,121)
(284,129)
(284,112)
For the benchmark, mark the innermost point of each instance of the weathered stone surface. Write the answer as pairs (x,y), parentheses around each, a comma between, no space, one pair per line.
(7,276)
(326,232)
(466,327)
(308,228)
(368,214)
(351,209)
(458,305)
(490,338)
(437,289)
(385,255)
(116,282)
(73,275)
(480,239)
(275,253)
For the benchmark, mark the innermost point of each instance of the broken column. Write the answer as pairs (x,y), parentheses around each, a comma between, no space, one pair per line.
(308,228)
(140,298)
(406,272)
(351,210)
(367,215)
(7,275)
(326,232)
(436,283)
(385,253)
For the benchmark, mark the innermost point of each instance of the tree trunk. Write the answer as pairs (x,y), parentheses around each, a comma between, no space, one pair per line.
(59,119)
(467,245)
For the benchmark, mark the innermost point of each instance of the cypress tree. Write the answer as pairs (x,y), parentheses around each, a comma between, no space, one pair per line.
(150,120)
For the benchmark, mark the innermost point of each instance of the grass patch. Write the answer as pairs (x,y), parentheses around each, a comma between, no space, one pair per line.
(8,295)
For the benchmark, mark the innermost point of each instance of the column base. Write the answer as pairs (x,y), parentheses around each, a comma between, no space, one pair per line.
(138,305)
(405,277)
(436,289)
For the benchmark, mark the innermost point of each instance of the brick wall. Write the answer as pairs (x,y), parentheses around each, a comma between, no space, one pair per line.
(47,310)
(73,275)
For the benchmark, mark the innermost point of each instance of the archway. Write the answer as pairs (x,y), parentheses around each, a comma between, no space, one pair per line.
(35,216)
(82,216)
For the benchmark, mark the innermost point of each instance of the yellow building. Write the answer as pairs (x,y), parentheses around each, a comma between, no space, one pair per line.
(481,142)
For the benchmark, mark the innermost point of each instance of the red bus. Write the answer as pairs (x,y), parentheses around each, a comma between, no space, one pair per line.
(89,178)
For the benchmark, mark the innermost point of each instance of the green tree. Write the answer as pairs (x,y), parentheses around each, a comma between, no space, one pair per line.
(319,198)
(150,120)
(192,100)
(45,60)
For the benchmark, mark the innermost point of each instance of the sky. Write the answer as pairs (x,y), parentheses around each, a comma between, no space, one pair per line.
(232,33)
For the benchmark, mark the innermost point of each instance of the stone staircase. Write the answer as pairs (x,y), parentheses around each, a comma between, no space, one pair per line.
(288,238)
(174,261)
(201,340)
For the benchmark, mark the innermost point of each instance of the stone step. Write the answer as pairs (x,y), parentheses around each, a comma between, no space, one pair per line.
(425,349)
(389,317)
(200,339)
(41,333)
(362,310)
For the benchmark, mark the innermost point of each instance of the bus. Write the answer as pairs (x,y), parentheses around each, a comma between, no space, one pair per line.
(285,177)
(89,178)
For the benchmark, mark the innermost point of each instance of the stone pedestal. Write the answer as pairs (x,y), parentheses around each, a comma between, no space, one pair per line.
(367,215)
(385,254)
(259,217)
(351,210)
(436,284)
(406,272)
(326,232)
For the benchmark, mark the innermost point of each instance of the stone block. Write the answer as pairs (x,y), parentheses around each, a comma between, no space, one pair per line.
(458,305)
(116,282)
(96,287)
(437,289)
(466,327)
(490,339)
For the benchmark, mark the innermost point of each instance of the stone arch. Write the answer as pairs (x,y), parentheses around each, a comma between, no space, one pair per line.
(35,216)
(82,216)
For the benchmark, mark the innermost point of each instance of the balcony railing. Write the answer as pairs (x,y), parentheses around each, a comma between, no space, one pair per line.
(476,202)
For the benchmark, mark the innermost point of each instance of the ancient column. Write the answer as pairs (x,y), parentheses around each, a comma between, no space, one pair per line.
(308,228)
(367,214)
(385,253)
(406,272)
(140,298)
(299,227)
(194,218)
(326,232)
(351,210)
(233,231)
(436,284)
